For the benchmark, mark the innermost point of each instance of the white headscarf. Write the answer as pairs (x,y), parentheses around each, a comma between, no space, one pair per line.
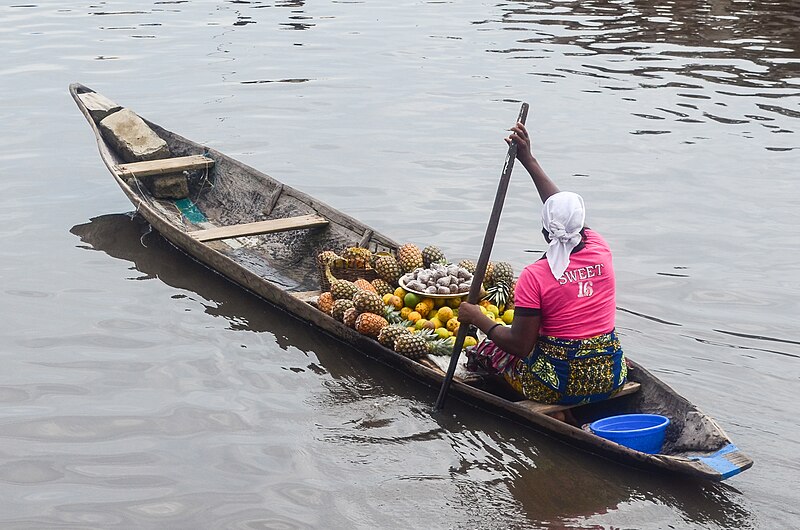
(563,215)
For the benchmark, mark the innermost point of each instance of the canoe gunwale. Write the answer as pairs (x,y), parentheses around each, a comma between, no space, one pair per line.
(180,237)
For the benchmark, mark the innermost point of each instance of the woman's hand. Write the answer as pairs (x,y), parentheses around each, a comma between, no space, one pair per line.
(517,339)
(544,185)
(519,134)
(470,314)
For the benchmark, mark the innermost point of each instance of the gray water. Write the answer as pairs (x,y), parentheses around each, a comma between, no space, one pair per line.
(140,390)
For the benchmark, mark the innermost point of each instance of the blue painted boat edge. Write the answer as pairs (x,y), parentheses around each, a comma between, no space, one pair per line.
(190,211)
(719,463)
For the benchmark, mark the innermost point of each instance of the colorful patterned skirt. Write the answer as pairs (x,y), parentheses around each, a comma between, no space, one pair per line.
(559,371)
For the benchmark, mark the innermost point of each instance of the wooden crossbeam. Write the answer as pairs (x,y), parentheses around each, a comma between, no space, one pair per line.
(301,222)
(543,408)
(164,166)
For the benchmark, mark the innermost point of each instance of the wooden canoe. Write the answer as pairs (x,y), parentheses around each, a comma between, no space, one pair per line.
(265,235)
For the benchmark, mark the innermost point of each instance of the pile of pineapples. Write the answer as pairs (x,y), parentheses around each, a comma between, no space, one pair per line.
(408,323)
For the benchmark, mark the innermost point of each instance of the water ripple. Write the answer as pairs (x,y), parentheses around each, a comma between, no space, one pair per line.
(181,401)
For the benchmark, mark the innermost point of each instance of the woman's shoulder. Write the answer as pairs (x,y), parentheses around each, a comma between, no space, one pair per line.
(593,238)
(536,269)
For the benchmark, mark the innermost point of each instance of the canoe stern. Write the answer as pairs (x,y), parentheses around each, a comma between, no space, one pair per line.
(726,462)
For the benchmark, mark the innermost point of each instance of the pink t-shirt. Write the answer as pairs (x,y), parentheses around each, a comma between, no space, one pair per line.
(579,305)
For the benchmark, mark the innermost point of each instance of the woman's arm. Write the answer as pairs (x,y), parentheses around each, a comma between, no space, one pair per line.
(544,185)
(519,339)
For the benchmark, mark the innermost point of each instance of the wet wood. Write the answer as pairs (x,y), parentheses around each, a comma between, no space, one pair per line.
(302,222)
(738,459)
(273,199)
(165,166)
(365,239)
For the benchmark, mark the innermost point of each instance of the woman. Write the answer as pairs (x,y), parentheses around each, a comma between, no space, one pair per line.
(561,347)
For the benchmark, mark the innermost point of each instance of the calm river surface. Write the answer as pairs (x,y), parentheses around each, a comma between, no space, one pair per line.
(140,390)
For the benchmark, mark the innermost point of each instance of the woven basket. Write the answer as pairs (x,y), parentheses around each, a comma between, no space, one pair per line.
(344,273)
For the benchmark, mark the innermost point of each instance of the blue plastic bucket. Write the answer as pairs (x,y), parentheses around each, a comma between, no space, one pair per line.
(642,432)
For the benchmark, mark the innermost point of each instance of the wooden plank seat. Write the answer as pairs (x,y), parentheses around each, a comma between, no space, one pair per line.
(543,408)
(301,222)
(164,166)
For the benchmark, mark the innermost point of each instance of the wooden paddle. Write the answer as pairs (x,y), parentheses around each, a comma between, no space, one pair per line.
(483,260)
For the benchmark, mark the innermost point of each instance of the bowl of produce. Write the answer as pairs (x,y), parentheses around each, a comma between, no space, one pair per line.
(438,281)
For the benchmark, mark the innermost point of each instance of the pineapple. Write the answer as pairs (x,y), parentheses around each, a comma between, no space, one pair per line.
(364,285)
(382,287)
(412,346)
(343,289)
(392,314)
(326,257)
(488,276)
(499,294)
(388,269)
(368,302)
(339,307)
(350,317)
(357,257)
(325,302)
(501,289)
(503,273)
(389,334)
(340,289)
(467,264)
(440,347)
(409,257)
(432,254)
(370,324)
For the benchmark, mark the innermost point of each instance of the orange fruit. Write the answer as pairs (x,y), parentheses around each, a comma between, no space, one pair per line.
(395,301)
(444,314)
(413,316)
(422,308)
(452,325)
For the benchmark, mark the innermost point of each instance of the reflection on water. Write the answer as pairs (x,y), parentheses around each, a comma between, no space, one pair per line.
(703,55)
(130,238)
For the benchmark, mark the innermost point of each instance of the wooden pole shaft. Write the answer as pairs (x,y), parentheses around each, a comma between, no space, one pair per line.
(483,260)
